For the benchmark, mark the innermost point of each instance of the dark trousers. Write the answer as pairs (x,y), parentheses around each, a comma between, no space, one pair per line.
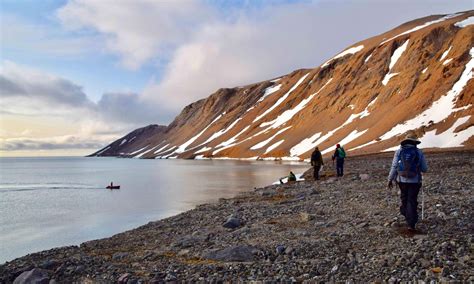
(340,167)
(409,196)
(316,169)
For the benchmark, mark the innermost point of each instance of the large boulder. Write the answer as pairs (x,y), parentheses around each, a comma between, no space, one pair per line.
(240,253)
(34,276)
(232,223)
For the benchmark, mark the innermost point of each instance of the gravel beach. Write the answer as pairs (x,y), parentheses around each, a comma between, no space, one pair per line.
(335,229)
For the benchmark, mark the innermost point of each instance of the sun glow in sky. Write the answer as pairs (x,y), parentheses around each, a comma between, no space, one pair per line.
(75,75)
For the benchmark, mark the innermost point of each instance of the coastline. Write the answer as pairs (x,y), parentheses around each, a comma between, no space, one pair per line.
(336,229)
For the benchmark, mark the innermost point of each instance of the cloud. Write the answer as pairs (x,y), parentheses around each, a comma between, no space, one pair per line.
(41,111)
(20,82)
(208,46)
(139,30)
(25,36)
(51,143)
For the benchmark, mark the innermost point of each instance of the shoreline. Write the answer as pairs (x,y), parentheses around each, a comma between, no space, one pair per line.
(322,231)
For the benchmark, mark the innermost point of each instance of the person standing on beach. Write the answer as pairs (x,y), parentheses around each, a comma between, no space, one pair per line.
(316,162)
(407,167)
(339,155)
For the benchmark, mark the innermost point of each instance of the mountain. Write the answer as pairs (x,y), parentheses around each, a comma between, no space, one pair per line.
(417,76)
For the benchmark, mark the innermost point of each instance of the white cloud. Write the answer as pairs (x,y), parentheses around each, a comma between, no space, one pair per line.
(137,30)
(206,49)
(42,111)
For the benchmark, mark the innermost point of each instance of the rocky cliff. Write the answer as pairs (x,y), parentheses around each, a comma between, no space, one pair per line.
(417,76)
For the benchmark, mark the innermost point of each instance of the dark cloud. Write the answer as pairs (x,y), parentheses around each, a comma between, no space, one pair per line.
(20,82)
(129,108)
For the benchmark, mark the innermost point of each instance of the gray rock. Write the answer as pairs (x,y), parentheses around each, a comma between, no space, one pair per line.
(306,217)
(34,276)
(280,249)
(123,278)
(49,264)
(364,176)
(232,223)
(119,255)
(240,253)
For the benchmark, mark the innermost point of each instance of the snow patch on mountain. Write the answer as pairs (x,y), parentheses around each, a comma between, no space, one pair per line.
(138,151)
(445,53)
(270,90)
(423,26)
(446,62)
(222,131)
(305,145)
(161,149)
(363,145)
(440,109)
(288,114)
(351,50)
(265,142)
(352,136)
(183,147)
(274,146)
(466,22)
(231,142)
(143,153)
(280,100)
(103,150)
(393,60)
(448,138)
(123,142)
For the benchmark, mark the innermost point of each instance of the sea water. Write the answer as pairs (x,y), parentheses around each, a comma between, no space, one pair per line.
(59,201)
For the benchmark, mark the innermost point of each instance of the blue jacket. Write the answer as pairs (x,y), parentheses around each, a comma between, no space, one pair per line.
(393,171)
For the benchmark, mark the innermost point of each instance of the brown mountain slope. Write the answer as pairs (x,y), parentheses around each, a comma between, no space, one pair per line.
(417,76)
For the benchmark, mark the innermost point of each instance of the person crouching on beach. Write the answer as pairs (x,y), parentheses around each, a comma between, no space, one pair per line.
(291,178)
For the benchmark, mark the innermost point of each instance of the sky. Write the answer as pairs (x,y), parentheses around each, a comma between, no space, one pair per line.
(76,75)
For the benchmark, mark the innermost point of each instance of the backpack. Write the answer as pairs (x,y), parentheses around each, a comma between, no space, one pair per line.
(341,153)
(408,162)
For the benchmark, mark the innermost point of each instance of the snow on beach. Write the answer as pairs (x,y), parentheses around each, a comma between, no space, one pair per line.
(393,60)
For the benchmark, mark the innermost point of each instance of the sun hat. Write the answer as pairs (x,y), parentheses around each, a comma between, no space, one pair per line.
(411,137)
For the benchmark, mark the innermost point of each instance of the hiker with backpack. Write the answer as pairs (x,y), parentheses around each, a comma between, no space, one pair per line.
(407,167)
(316,162)
(339,155)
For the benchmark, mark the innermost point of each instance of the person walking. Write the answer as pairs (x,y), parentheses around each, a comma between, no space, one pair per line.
(316,162)
(407,167)
(339,155)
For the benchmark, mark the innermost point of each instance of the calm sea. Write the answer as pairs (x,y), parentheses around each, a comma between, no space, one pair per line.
(50,202)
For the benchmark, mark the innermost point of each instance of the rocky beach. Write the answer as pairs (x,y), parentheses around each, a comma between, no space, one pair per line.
(335,229)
